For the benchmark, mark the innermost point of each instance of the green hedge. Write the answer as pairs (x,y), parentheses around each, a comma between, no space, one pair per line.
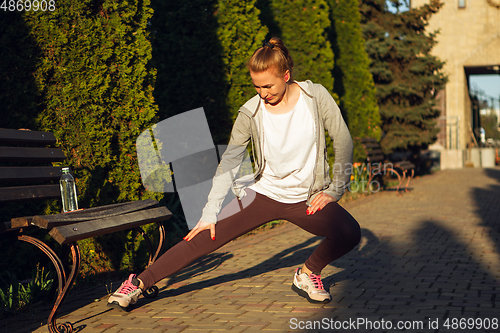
(353,80)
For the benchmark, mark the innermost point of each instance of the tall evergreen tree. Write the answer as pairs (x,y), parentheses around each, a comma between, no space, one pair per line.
(18,91)
(406,75)
(302,24)
(96,93)
(352,78)
(188,57)
(240,33)
(200,48)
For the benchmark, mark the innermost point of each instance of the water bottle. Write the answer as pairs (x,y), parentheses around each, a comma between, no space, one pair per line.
(68,191)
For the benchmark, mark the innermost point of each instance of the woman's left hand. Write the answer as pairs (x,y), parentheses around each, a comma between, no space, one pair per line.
(319,202)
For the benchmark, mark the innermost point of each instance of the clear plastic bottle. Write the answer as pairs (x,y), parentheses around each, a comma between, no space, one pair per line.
(68,191)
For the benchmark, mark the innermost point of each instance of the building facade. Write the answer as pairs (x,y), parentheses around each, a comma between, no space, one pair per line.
(468,43)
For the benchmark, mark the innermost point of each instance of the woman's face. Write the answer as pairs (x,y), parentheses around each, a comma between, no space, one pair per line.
(270,87)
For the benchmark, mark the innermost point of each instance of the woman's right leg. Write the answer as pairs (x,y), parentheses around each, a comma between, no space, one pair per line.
(236,219)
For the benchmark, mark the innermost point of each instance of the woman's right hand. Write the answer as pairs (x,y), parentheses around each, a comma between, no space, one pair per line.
(199,227)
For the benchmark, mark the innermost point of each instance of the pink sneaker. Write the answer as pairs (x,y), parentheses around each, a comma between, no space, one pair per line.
(310,287)
(127,294)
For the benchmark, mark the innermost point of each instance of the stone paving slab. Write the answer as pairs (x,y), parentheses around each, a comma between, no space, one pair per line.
(427,256)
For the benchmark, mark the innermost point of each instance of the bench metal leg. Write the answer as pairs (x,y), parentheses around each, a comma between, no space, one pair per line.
(153,291)
(401,182)
(66,327)
(409,179)
(64,283)
(400,179)
(371,176)
(61,274)
(152,258)
(161,229)
(406,176)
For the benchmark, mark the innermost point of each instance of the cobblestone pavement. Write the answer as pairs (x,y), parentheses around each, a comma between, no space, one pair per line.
(427,258)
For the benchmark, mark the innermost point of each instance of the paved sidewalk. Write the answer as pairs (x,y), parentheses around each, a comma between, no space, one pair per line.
(427,256)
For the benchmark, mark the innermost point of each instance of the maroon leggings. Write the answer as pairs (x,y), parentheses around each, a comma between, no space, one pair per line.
(341,230)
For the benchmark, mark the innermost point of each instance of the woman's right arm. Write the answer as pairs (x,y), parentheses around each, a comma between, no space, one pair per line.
(225,174)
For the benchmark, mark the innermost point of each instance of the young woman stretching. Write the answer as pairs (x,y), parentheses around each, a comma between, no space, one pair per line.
(286,124)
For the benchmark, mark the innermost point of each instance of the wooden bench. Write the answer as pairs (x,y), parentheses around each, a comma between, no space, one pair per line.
(378,165)
(26,173)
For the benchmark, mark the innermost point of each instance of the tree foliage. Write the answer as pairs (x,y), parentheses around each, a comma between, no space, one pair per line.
(302,25)
(240,34)
(187,56)
(406,75)
(96,97)
(97,91)
(199,49)
(352,78)
(19,53)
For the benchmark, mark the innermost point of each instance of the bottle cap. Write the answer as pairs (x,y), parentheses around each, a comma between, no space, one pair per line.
(65,169)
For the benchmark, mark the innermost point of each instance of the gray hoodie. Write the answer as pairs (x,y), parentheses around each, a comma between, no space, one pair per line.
(248,128)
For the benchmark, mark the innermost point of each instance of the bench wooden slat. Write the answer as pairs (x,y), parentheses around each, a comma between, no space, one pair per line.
(71,233)
(27,220)
(4,227)
(30,192)
(32,138)
(21,222)
(368,140)
(405,165)
(51,221)
(374,152)
(376,158)
(8,226)
(28,154)
(35,174)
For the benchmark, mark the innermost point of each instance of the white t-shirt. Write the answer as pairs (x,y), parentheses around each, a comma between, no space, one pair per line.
(290,152)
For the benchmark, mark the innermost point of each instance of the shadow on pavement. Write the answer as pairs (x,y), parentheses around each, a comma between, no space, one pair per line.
(488,207)
(293,256)
(421,281)
(203,265)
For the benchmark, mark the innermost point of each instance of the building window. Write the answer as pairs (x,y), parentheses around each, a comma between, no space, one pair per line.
(461,3)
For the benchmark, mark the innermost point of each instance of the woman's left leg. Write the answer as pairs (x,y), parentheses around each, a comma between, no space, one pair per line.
(342,233)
